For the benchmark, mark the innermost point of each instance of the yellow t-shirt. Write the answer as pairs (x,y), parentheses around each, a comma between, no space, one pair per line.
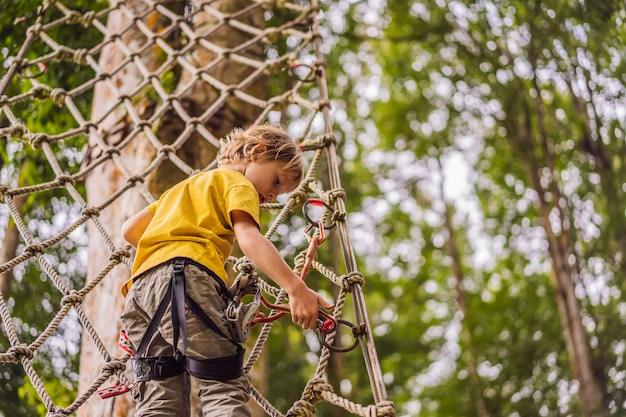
(192,220)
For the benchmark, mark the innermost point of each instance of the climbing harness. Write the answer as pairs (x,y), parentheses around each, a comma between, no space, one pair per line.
(147,368)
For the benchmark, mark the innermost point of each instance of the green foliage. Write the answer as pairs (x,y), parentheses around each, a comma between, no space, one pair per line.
(62,395)
(524,94)
(512,87)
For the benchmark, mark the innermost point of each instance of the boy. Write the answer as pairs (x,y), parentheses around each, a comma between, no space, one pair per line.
(183,241)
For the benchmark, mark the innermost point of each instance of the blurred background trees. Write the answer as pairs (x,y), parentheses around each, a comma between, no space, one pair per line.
(482,148)
(493,134)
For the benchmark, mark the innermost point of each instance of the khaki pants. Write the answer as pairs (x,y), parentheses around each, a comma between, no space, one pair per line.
(170,396)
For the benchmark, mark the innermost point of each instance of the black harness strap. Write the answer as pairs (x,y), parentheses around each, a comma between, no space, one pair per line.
(220,369)
(178,306)
(154,323)
(158,367)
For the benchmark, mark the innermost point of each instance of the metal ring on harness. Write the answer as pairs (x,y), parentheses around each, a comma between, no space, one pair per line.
(317,203)
(356,332)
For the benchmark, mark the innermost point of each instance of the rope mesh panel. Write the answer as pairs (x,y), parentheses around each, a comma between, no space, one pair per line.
(164,81)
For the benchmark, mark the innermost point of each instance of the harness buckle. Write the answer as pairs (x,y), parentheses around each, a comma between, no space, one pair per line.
(158,367)
(179,266)
(141,369)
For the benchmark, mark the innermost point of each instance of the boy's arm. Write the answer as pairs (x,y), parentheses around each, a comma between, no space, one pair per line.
(303,301)
(133,228)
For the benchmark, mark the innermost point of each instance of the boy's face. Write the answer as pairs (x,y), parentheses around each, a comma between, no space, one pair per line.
(268,178)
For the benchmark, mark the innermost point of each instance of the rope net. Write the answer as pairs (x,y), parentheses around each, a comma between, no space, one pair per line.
(163,80)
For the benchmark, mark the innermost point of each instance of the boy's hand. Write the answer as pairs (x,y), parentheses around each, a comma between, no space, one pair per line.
(304,304)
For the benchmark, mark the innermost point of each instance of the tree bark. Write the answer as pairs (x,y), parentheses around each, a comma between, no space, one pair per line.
(104,304)
(9,247)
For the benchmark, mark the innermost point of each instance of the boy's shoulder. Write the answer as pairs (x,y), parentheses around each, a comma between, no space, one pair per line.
(225,176)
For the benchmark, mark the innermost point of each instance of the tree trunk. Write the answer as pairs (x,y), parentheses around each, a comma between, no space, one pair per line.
(104,304)
(476,389)
(9,247)
(591,391)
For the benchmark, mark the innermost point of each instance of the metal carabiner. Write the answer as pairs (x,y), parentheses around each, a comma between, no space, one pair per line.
(317,202)
(236,306)
(322,232)
(356,332)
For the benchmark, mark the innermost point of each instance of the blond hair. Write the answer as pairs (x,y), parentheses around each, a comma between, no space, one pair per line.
(265,143)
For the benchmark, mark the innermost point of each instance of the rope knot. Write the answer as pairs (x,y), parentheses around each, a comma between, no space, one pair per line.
(74,297)
(66,179)
(87,18)
(230,90)
(119,255)
(144,124)
(354,277)
(80,56)
(91,212)
(319,385)
(195,122)
(332,195)
(58,96)
(301,408)
(112,367)
(57,412)
(87,126)
(329,138)
(135,179)
(3,191)
(34,29)
(73,17)
(20,351)
(111,152)
(323,104)
(35,248)
(167,149)
(385,409)
(18,131)
(40,92)
(243,264)
(65,54)
(37,139)
(298,196)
